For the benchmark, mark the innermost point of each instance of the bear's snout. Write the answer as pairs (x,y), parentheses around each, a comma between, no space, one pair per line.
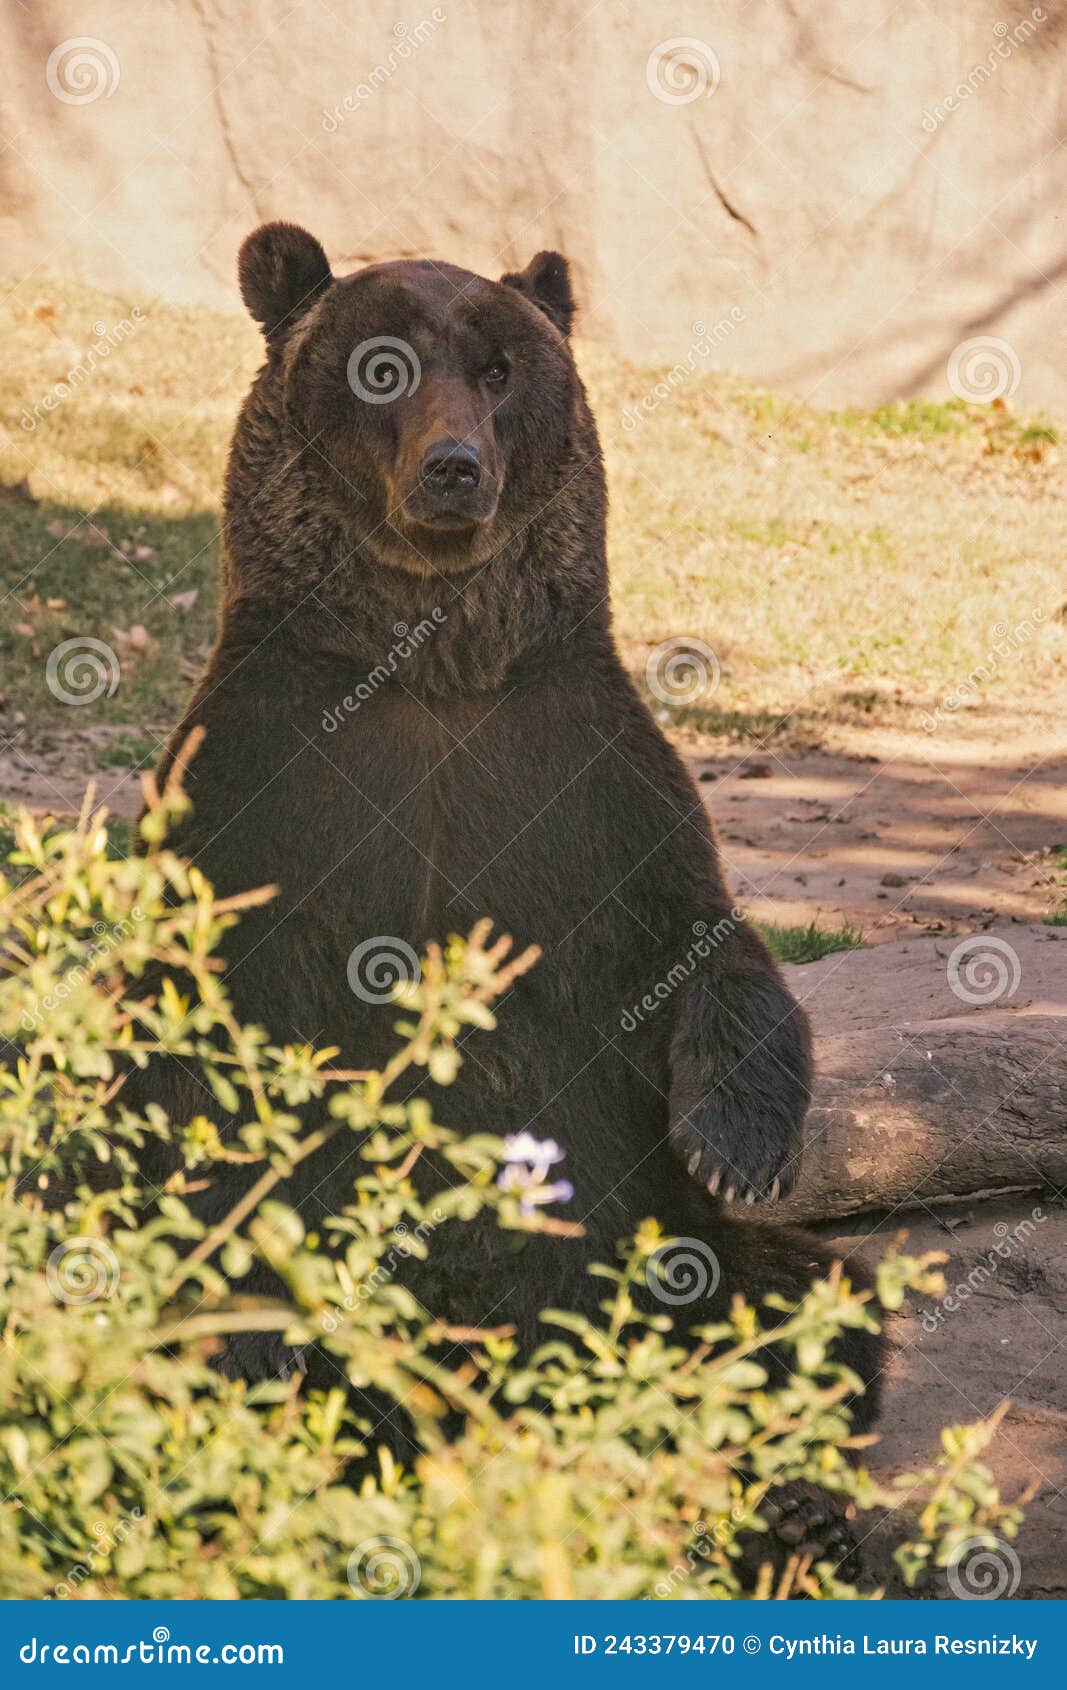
(451,471)
(455,486)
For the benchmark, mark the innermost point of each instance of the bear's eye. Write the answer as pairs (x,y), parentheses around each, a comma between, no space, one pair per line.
(496,373)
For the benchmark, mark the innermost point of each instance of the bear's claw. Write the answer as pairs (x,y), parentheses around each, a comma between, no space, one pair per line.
(723,1177)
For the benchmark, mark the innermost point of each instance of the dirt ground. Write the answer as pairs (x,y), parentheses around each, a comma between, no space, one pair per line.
(48,772)
(928,834)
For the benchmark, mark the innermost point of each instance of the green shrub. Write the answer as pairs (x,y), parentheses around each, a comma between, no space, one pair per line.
(611,1463)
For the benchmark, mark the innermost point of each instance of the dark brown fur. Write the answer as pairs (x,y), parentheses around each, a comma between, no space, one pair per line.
(504,767)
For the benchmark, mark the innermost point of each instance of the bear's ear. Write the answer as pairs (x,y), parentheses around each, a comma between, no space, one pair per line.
(546,282)
(281,270)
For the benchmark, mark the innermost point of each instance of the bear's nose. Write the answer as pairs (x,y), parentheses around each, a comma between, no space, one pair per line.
(449,467)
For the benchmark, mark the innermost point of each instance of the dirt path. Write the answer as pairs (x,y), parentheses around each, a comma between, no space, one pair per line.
(927,836)
(48,772)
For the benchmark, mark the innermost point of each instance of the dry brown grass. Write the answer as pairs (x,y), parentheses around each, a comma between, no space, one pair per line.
(844,569)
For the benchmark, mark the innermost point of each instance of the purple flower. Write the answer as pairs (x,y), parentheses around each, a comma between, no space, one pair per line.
(523,1147)
(527,1161)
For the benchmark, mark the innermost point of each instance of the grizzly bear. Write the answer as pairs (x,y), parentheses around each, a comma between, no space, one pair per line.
(415,716)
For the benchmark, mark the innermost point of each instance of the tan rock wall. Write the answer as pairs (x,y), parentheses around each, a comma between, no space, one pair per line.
(804,184)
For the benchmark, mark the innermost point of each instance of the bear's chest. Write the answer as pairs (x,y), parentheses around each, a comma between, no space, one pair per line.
(407,820)
(511,807)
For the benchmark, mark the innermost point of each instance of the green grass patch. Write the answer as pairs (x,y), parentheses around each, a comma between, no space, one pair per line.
(1058,862)
(126,751)
(925,417)
(808,944)
(932,419)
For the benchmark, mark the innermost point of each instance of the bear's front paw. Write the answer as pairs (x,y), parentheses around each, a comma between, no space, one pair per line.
(740,1084)
(740,1160)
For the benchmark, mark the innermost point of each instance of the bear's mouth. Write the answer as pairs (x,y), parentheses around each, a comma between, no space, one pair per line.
(447,522)
(448,546)
(427,512)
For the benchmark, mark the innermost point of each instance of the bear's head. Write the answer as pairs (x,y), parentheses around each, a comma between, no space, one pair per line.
(432,413)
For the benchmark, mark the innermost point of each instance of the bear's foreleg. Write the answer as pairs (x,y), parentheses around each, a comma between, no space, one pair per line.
(740,1074)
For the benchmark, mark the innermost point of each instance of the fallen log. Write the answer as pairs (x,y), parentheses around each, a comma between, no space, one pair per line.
(938,1107)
